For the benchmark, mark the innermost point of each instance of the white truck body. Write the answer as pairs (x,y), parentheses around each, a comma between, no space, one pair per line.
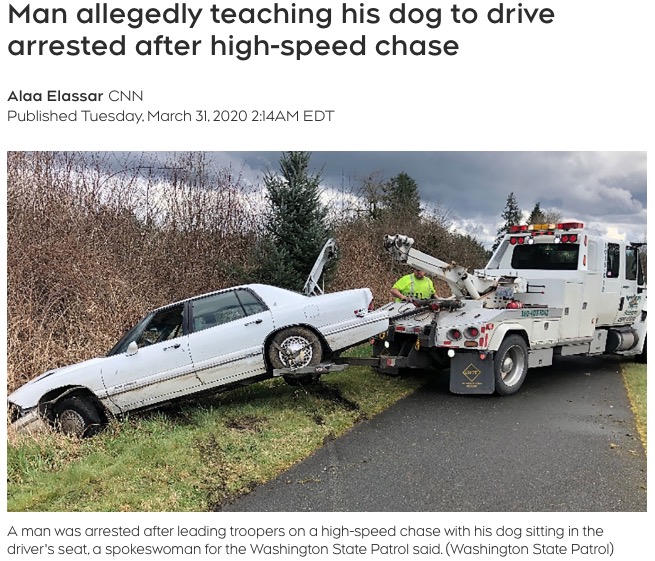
(549,289)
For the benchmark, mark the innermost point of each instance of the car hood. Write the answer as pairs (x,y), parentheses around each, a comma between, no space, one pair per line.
(28,394)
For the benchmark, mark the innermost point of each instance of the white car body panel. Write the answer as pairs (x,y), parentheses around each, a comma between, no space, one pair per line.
(209,358)
(161,371)
(241,346)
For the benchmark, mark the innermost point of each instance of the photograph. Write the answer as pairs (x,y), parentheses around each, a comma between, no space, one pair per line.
(326,331)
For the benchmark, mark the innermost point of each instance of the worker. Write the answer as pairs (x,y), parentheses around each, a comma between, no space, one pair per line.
(415,286)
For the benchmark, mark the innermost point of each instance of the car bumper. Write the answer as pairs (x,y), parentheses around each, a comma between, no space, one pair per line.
(30,423)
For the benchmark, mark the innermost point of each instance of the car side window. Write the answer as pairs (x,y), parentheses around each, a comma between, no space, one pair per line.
(217,309)
(165,325)
(251,304)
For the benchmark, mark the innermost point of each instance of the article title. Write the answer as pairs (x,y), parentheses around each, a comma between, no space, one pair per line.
(420,28)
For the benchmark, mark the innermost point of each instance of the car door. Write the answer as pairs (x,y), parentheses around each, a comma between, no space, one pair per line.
(228,330)
(158,369)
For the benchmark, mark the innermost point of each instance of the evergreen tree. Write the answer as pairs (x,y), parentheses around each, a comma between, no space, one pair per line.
(512,216)
(537,216)
(401,196)
(296,225)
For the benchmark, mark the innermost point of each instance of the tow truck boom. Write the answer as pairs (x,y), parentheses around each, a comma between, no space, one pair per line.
(462,283)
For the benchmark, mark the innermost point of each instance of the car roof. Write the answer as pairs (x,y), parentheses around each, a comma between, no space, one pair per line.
(258,289)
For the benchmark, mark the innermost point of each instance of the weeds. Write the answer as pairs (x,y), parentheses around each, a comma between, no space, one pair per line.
(224,447)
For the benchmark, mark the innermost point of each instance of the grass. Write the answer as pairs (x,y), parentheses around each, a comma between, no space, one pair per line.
(195,456)
(634,376)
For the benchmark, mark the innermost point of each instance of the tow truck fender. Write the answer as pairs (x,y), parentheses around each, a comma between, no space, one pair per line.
(501,331)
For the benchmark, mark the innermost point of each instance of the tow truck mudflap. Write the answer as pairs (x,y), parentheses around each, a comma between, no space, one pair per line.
(317,369)
(470,373)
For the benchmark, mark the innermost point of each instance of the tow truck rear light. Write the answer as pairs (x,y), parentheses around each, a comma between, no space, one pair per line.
(454,335)
(517,228)
(567,238)
(541,227)
(570,225)
(550,229)
(472,333)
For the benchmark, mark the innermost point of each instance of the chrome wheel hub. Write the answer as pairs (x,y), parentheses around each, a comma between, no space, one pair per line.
(72,423)
(296,352)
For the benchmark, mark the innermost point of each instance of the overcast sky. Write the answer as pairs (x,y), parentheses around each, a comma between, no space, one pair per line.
(605,190)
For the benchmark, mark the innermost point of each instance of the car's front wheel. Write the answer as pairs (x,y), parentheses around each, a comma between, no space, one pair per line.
(76,416)
(295,347)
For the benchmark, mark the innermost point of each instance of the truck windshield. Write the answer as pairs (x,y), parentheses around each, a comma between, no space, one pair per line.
(546,256)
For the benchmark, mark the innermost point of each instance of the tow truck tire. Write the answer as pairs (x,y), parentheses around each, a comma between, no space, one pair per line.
(295,347)
(511,365)
(641,357)
(76,416)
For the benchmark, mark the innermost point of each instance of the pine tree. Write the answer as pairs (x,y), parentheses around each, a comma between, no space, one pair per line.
(537,216)
(401,196)
(512,216)
(296,225)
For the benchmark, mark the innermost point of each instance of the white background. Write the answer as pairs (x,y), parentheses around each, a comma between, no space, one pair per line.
(583,82)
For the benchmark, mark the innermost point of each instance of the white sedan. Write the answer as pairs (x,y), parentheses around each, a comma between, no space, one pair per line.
(205,343)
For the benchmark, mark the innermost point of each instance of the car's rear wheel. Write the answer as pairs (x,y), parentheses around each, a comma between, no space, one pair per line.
(76,416)
(295,347)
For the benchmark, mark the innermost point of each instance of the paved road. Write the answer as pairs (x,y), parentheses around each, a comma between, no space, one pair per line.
(566,442)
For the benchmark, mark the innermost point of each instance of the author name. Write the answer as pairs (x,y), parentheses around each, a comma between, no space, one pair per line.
(60,95)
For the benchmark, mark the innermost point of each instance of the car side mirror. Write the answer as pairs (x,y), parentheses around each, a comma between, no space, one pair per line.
(132,349)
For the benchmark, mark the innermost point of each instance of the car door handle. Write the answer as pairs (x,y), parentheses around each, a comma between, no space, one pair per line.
(257,322)
(175,346)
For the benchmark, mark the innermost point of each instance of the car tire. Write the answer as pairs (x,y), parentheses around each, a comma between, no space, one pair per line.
(295,347)
(76,416)
(511,365)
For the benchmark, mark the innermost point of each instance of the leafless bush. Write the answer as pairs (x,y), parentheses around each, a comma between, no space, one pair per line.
(91,249)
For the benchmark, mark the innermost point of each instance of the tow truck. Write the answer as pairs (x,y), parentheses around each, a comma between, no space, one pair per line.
(548,290)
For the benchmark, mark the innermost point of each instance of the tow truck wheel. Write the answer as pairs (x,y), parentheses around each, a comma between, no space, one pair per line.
(75,416)
(642,356)
(295,347)
(511,365)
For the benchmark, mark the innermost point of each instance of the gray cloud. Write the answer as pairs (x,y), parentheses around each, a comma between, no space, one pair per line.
(602,189)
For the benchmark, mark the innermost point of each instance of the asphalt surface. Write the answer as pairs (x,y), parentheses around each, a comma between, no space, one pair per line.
(566,442)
